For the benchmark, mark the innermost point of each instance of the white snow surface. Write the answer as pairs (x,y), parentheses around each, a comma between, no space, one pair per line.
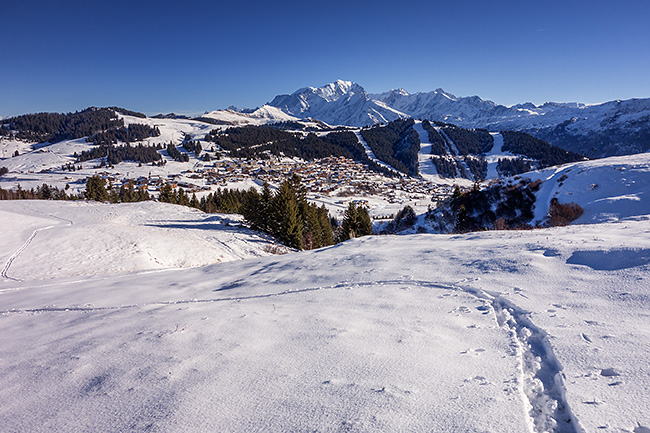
(50,240)
(261,116)
(426,166)
(485,332)
(608,189)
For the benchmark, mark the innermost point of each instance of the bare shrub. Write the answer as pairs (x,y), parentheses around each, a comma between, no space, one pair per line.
(562,214)
(275,249)
(501,224)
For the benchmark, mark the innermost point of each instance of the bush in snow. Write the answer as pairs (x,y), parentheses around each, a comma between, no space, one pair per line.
(562,214)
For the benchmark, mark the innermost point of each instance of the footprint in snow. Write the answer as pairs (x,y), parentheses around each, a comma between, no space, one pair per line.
(473,351)
(609,372)
(462,309)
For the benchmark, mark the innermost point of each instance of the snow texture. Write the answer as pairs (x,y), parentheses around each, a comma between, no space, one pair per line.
(485,332)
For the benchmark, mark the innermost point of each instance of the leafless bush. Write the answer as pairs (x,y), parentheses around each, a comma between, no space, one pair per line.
(562,214)
(274,249)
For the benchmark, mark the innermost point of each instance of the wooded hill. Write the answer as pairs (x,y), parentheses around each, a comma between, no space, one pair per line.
(455,151)
(262,141)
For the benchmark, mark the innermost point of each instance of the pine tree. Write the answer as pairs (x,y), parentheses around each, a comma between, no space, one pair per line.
(326,226)
(167,194)
(251,210)
(267,220)
(364,223)
(96,189)
(194,202)
(286,218)
(348,228)
(356,222)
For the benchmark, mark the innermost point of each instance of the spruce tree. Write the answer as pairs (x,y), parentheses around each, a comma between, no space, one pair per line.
(356,222)
(326,226)
(364,223)
(348,228)
(96,189)
(167,194)
(286,218)
(251,210)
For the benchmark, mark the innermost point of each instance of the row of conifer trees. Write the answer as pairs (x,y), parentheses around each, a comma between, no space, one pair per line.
(285,214)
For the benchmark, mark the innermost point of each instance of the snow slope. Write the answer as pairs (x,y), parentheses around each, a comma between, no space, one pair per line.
(260,116)
(484,332)
(608,189)
(52,240)
(426,167)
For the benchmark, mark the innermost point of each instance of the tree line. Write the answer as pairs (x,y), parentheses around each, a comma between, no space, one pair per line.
(126,134)
(524,144)
(115,154)
(176,154)
(285,214)
(99,190)
(55,127)
(396,143)
(43,192)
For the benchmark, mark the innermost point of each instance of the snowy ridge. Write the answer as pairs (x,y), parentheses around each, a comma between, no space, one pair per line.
(615,127)
(260,116)
(608,189)
(338,103)
(132,237)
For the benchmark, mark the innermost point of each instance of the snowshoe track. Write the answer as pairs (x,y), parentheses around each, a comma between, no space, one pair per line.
(541,381)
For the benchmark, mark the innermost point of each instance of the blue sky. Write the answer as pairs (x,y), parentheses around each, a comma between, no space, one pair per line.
(193,56)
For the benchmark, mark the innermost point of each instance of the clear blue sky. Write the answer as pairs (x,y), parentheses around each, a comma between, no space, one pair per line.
(192,56)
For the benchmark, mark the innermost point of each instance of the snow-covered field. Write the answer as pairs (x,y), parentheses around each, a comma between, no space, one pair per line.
(154,317)
(485,332)
(49,240)
(608,189)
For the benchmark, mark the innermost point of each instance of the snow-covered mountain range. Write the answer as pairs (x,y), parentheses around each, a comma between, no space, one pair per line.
(611,128)
(338,103)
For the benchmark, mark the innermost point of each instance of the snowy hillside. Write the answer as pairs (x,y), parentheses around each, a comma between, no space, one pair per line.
(589,192)
(52,239)
(615,127)
(608,189)
(260,116)
(493,331)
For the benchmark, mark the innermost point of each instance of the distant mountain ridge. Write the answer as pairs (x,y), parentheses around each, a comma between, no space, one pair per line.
(338,103)
(611,128)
